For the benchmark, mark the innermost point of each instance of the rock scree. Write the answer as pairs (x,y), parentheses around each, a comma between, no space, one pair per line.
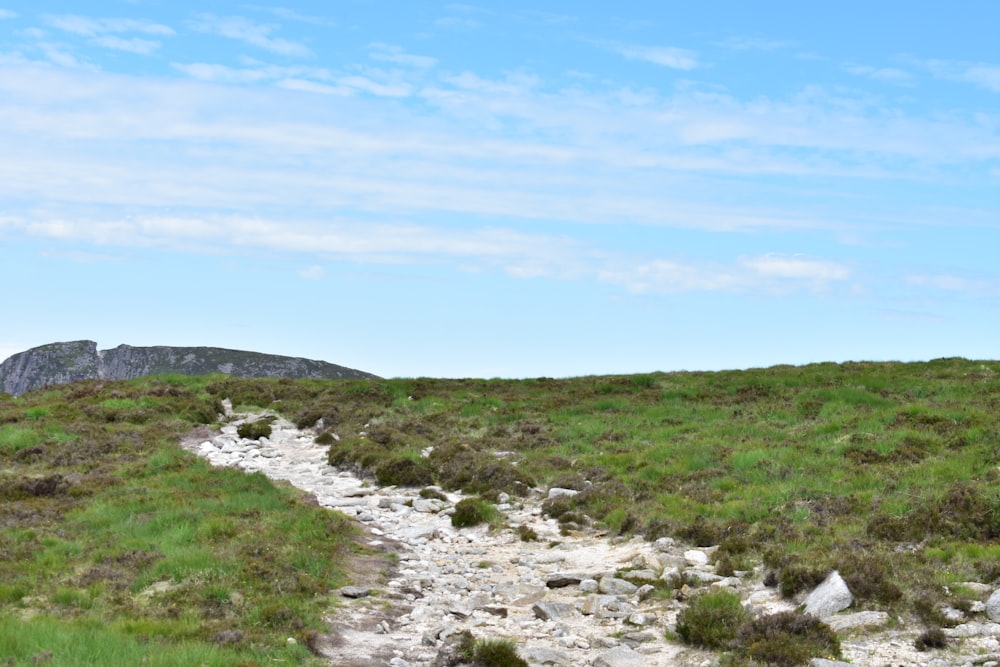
(581,599)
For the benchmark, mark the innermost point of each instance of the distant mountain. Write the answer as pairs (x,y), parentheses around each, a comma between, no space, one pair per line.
(59,363)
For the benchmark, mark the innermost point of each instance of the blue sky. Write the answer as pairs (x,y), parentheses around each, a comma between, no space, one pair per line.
(504,189)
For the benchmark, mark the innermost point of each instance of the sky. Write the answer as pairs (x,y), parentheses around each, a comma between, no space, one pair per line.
(513,189)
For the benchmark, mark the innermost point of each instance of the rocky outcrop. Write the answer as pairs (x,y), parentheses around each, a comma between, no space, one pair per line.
(60,363)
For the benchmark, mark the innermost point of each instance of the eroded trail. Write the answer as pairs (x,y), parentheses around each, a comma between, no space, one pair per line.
(567,600)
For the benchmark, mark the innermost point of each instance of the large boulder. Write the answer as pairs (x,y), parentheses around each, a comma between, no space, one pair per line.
(828,598)
(993,606)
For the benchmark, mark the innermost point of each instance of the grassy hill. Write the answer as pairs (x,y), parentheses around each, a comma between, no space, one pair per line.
(885,471)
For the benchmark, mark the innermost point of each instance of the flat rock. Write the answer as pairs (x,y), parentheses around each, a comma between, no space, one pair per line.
(974,630)
(418,531)
(544,656)
(615,586)
(696,557)
(355,592)
(861,619)
(550,611)
(563,580)
(621,656)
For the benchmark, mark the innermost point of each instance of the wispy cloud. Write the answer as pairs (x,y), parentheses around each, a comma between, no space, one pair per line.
(665,56)
(305,79)
(983,75)
(797,268)
(764,273)
(458,22)
(956,284)
(7,14)
(396,55)
(255,34)
(757,44)
(60,55)
(141,47)
(293,15)
(89,27)
(105,32)
(886,74)
(314,272)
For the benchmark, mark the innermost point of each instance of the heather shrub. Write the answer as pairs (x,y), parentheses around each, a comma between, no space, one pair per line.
(712,620)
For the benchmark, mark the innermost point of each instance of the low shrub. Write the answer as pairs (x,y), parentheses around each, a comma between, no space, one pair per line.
(786,639)
(254,430)
(527,533)
(496,653)
(933,638)
(431,493)
(404,472)
(712,620)
(474,511)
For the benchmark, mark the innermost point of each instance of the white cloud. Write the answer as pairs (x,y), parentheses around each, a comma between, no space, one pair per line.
(757,44)
(292,15)
(766,273)
(255,34)
(314,272)
(666,56)
(664,276)
(105,32)
(89,27)
(58,54)
(952,283)
(797,267)
(395,54)
(887,74)
(457,22)
(306,86)
(984,75)
(374,87)
(135,45)
(221,73)
(7,14)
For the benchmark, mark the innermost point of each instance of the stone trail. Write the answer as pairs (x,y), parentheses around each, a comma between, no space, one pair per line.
(566,600)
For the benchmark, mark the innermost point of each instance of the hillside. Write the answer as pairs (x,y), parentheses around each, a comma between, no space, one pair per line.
(59,363)
(885,472)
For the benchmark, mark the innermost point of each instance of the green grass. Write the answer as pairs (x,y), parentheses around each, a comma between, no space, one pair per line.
(101,504)
(76,642)
(801,468)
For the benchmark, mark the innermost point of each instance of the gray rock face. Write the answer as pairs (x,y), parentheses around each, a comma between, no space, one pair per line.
(61,363)
(58,363)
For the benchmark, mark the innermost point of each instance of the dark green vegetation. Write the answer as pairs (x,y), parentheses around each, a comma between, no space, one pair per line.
(887,472)
(492,652)
(118,548)
(717,620)
(712,619)
(786,639)
(474,511)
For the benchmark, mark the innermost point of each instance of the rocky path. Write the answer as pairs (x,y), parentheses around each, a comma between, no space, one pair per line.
(566,600)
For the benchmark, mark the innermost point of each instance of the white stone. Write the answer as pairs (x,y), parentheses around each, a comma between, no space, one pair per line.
(829,597)
(696,557)
(993,606)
